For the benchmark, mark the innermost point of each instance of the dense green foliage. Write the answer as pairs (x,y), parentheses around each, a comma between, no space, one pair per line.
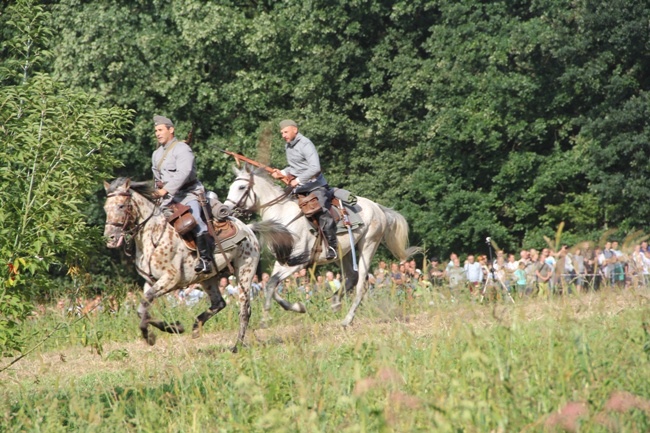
(424,365)
(55,152)
(473,118)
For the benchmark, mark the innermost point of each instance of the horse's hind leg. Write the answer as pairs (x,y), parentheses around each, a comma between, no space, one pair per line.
(217,303)
(367,250)
(270,291)
(246,262)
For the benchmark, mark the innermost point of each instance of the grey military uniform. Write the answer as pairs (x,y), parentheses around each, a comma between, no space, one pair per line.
(304,164)
(177,172)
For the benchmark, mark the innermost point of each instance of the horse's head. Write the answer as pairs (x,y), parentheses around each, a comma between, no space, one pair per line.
(241,195)
(254,190)
(119,211)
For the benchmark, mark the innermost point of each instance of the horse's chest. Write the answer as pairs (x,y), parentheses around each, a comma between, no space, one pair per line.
(163,257)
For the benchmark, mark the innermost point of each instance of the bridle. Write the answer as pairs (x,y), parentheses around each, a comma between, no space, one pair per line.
(250,193)
(246,194)
(129,217)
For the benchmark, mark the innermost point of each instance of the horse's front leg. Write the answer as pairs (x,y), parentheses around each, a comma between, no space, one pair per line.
(145,318)
(269,288)
(217,303)
(244,312)
(143,314)
(274,282)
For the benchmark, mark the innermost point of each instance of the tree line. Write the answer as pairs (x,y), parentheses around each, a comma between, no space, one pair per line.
(473,118)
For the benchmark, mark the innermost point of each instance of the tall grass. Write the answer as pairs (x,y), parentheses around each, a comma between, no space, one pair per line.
(405,365)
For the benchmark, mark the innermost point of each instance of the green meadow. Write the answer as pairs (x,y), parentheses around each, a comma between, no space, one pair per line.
(577,363)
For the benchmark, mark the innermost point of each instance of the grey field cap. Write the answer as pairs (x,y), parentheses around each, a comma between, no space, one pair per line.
(287,122)
(162,120)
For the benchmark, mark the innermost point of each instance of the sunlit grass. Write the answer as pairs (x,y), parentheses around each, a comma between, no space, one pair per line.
(405,365)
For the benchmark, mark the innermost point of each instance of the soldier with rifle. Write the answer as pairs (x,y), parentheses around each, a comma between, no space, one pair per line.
(174,172)
(306,178)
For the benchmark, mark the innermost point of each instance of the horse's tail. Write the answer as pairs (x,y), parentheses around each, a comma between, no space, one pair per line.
(396,235)
(280,241)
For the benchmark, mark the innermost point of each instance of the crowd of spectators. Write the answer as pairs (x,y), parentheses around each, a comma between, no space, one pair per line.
(534,272)
(531,272)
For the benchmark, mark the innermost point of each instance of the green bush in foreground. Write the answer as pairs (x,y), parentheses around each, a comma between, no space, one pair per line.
(415,367)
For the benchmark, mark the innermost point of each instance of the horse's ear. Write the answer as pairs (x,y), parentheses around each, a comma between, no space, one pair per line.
(106,186)
(237,170)
(127,184)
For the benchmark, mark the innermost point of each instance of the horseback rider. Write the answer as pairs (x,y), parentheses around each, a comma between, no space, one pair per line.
(304,167)
(174,172)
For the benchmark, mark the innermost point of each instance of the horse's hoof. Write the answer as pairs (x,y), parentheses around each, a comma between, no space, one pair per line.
(151,339)
(179,328)
(336,307)
(196,333)
(300,307)
(265,323)
(234,349)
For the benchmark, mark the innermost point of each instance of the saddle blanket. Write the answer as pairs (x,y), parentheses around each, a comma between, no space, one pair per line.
(229,235)
(353,214)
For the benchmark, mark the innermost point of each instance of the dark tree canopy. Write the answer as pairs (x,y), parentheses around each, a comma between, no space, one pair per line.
(474,119)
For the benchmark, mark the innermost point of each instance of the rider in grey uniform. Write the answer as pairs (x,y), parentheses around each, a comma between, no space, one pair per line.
(174,172)
(304,164)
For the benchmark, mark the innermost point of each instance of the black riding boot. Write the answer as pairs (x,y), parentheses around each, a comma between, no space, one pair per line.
(204,247)
(328,225)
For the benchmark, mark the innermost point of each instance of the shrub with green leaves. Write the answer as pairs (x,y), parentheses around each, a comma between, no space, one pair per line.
(56,149)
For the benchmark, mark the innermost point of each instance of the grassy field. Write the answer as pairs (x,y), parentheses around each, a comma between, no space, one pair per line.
(578,363)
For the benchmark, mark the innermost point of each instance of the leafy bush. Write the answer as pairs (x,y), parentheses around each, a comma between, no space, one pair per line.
(57,147)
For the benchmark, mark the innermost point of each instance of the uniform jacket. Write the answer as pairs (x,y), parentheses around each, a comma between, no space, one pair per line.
(177,172)
(303,161)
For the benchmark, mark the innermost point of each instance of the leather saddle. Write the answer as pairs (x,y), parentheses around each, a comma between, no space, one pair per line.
(352,210)
(183,222)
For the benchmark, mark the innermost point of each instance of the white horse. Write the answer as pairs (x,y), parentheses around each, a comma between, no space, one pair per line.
(166,263)
(255,191)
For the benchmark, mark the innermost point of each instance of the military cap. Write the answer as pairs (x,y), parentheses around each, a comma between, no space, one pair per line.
(162,120)
(287,122)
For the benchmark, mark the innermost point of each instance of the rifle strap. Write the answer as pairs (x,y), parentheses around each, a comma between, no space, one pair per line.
(165,153)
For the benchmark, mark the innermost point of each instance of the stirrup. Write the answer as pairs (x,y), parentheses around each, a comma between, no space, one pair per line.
(203,266)
(331,253)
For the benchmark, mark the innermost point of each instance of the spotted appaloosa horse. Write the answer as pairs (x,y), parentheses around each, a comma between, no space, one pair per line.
(165,262)
(253,190)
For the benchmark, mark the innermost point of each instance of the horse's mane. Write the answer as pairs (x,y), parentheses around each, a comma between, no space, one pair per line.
(144,188)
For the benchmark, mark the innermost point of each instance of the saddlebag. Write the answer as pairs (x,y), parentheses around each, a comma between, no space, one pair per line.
(309,204)
(181,219)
